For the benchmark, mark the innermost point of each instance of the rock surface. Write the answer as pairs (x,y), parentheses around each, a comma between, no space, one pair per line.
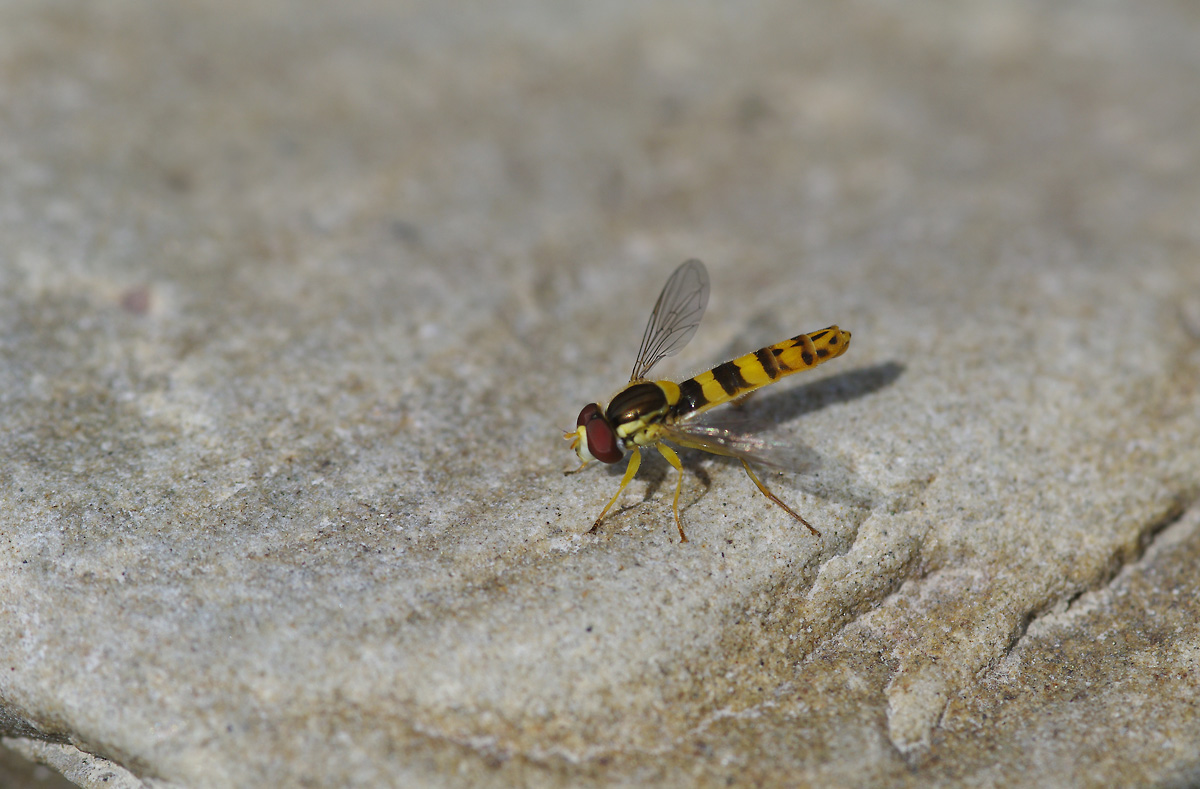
(296,299)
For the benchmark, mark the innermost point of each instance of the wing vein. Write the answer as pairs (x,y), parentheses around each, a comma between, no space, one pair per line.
(675,318)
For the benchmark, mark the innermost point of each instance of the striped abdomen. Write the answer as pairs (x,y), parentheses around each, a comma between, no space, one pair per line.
(754,370)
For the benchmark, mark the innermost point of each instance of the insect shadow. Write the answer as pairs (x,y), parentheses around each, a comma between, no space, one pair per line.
(842,387)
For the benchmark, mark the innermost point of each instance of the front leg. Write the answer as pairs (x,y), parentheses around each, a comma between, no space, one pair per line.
(635,460)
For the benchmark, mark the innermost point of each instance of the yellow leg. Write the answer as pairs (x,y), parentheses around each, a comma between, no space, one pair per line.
(635,460)
(673,459)
(773,498)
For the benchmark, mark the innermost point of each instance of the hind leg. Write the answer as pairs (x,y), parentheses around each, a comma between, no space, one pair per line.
(763,488)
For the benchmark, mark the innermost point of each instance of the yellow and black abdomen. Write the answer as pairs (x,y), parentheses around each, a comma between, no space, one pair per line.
(754,370)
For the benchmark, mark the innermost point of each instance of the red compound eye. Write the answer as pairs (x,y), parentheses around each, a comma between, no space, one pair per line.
(589,412)
(602,440)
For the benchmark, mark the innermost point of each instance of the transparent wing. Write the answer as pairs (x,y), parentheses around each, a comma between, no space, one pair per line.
(754,448)
(676,315)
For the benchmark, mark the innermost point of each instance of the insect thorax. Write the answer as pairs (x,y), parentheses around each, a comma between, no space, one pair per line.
(636,409)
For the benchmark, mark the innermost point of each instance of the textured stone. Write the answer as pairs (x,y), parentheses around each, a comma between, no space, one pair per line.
(297,298)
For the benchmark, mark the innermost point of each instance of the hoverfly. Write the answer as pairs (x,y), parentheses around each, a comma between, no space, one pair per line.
(647,413)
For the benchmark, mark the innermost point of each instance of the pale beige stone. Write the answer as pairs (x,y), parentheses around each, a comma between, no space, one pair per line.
(297,298)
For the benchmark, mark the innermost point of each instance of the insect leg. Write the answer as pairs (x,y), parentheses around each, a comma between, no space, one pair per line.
(635,460)
(774,498)
(673,459)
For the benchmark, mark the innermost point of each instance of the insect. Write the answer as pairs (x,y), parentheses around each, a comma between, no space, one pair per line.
(647,413)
